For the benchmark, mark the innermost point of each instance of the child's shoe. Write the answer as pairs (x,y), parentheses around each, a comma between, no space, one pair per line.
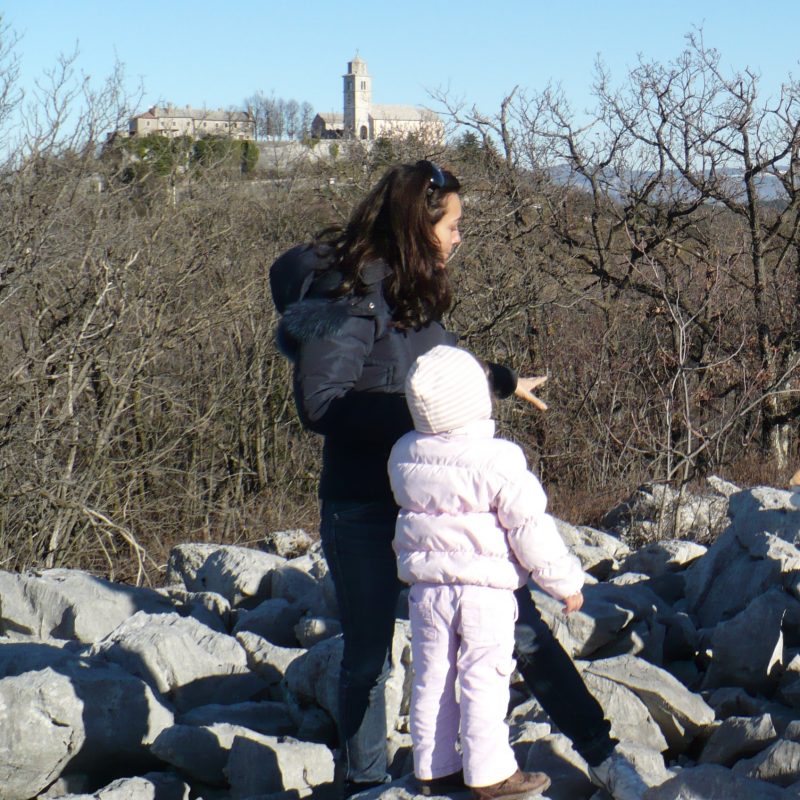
(445,784)
(519,786)
(619,778)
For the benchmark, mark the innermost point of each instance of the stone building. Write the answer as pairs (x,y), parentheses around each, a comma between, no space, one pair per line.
(173,121)
(363,119)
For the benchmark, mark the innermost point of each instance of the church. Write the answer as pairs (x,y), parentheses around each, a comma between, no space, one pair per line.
(363,119)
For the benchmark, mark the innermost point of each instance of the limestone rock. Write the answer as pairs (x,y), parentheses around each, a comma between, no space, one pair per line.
(274,619)
(607,611)
(239,574)
(597,551)
(121,718)
(70,604)
(657,511)
(553,754)
(712,782)
(185,560)
(182,659)
(41,730)
(667,555)
(297,587)
(199,752)
(607,542)
(68,785)
(679,713)
(267,765)
(313,678)
(649,763)
(316,725)
(288,544)
(25,655)
(738,737)
(267,716)
(404,788)
(789,692)
(79,713)
(210,608)
(757,551)
(778,764)
(266,659)
(754,667)
(584,631)
(791,731)
(630,720)
(152,786)
(398,685)
(310,630)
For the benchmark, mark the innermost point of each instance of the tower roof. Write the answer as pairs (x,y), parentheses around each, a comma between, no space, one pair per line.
(357,66)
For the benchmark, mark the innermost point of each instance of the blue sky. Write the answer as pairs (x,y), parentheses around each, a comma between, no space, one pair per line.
(214,54)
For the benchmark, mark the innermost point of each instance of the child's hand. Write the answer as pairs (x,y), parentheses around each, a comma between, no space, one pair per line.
(525,387)
(573,602)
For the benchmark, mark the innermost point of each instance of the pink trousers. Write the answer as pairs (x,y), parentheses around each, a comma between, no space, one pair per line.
(462,640)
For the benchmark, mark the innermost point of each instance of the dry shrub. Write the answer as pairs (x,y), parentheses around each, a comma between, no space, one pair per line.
(142,399)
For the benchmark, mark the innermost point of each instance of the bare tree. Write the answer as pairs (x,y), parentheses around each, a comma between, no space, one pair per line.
(306,118)
(291,112)
(650,227)
(258,106)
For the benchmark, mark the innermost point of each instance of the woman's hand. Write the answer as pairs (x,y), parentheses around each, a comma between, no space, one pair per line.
(525,387)
(573,603)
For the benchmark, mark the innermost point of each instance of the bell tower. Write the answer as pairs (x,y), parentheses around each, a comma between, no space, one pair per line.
(357,99)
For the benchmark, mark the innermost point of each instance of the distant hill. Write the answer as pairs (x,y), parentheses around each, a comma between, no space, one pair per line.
(769,187)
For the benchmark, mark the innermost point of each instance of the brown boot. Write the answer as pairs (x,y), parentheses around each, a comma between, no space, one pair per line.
(518,786)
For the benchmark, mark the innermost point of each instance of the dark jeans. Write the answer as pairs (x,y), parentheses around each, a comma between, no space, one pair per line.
(357,542)
(558,686)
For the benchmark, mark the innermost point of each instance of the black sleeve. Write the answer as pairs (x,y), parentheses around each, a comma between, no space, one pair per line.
(325,373)
(502,380)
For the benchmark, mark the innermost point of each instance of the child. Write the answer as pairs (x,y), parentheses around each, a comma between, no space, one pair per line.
(472,527)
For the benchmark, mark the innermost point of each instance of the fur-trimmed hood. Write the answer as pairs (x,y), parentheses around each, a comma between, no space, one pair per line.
(316,317)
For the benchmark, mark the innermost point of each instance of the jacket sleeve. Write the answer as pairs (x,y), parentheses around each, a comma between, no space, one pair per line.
(533,535)
(502,380)
(325,372)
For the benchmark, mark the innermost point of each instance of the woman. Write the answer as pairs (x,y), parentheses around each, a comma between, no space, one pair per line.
(375,306)
(351,355)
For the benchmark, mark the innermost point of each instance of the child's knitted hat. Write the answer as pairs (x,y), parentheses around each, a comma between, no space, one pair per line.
(447,388)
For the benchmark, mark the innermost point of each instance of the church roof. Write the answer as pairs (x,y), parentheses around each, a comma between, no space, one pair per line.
(397,113)
(331,118)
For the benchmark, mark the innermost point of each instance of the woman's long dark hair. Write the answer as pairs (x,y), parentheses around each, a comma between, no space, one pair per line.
(395,222)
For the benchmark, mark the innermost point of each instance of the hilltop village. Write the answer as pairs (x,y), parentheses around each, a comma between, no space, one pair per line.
(360,118)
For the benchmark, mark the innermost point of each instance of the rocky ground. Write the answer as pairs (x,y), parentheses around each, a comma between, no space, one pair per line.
(222,683)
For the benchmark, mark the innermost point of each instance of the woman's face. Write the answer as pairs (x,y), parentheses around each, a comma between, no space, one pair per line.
(446,229)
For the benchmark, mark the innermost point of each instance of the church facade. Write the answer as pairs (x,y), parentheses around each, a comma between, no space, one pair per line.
(365,120)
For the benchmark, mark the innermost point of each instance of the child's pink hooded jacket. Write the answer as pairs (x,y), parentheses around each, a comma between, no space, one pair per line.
(471,512)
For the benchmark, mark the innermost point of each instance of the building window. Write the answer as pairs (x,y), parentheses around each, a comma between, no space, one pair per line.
(363,85)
